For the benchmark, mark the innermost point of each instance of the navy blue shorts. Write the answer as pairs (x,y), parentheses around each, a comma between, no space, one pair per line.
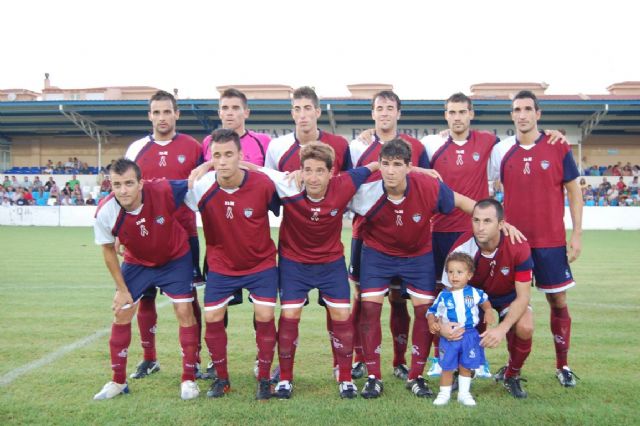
(551,269)
(354,261)
(442,243)
(466,352)
(378,270)
(220,289)
(174,278)
(296,279)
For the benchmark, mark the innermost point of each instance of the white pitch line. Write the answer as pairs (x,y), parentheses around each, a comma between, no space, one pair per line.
(9,377)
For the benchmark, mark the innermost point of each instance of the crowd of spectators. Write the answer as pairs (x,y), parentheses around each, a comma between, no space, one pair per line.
(616,193)
(26,192)
(613,170)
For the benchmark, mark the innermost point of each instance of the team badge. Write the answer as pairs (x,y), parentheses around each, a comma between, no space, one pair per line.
(333,212)
(417,217)
(476,156)
(181,159)
(248,212)
(544,164)
(504,270)
(468,301)
(160,220)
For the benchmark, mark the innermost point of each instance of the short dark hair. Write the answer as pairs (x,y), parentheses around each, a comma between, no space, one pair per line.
(490,202)
(308,93)
(458,256)
(318,151)
(396,148)
(122,165)
(386,94)
(161,95)
(528,94)
(224,136)
(459,98)
(235,93)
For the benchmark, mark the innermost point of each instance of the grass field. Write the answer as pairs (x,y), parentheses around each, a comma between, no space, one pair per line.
(56,291)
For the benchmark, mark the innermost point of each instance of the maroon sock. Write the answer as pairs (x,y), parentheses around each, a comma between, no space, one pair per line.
(189,343)
(371,335)
(511,335)
(518,355)
(266,342)
(436,345)
(343,348)
(357,338)
(420,341)
(561,330)
(399,322)
(287,343)
(197,313)
(119,349)
(331,337)
(147,323)
(216,339)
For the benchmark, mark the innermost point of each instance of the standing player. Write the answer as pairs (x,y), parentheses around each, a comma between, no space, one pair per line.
(311,256)
(385,111)
(233,111)
(142,216)
(535,176)
(503,270)
(397,245)
(166,154)
(234,206)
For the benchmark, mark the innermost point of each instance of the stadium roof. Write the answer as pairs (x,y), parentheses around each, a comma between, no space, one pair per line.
(617,115)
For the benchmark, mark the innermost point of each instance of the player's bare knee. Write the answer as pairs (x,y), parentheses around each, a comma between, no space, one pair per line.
(263,313)
(557,300)
(291,313)
(184,314)
(215,315)
(339,314)
(124,316)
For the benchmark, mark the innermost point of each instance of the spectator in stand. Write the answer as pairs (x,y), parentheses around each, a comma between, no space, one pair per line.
(73,182)
(615,170)
(14,183)
(27,197)
(66,201)
(26,183)
(620,185)
(3,192)
(105,186)
(53,201)
(69,164)
(633,186)
(77,200)
(90,201)
(48,184)
(605,186)
(636,170)
(498,193)
(18,196)
(37,184)
(6,201)
(6,183)
(76,163)
(40,192)
(84,169)
(627,171)
(67,190)
(608,171)
(583,185)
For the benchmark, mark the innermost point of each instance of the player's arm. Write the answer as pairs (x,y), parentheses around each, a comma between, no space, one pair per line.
(489,313)
(373,167)
(556,136)
(463,202)
(434,324)
(574,195)
(366,136)
(122,297)
(492,337)
(200,171)
(429,172)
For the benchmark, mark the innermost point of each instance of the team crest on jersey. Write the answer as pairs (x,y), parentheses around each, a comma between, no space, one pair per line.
(333,212)
(417,217)
(504,270)
(248,212)
(181,159)
(544,164)
(468,301)
(476,156)
(160,220)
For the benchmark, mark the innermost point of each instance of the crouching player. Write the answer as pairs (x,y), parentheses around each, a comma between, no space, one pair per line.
(157,254)
(312,256)
(234,205)
(459,304)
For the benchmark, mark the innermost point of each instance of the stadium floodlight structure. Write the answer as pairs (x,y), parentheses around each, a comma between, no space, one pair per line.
(96,132)
(587,128)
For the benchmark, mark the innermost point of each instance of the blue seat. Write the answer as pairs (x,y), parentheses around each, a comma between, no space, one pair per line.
(41,202)
(36,195)
(614,202)
(590,203)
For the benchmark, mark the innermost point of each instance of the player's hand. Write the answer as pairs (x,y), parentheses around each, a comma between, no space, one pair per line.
(434,325)
(122,300)
(429,172)
(366,136)
(198,172)
(492,338)
(296,176)
(119,247)
(451,331)
(513,233)
(575,247)
(444,134)
(490,317)
(555,136)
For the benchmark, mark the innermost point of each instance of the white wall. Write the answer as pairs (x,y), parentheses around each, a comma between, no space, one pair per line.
(627,218)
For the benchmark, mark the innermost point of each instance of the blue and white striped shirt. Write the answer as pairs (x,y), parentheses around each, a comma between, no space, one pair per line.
(460,306)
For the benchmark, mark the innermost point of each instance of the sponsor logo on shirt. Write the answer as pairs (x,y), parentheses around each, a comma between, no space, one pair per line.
(544,164)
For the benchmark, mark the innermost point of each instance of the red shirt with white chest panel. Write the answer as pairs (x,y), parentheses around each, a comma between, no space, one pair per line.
(151,235)
(236,223)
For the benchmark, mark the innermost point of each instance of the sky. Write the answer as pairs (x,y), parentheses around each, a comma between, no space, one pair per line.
(425,49)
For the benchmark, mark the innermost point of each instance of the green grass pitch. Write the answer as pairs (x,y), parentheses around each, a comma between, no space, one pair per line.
(56,291)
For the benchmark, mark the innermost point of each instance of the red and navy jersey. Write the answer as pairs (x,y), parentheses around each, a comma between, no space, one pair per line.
(463,166)
(497,273)
(173,159)
(533,177)
(311,229)
(283,153)
(236,223)
(401,228)
(151,235)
